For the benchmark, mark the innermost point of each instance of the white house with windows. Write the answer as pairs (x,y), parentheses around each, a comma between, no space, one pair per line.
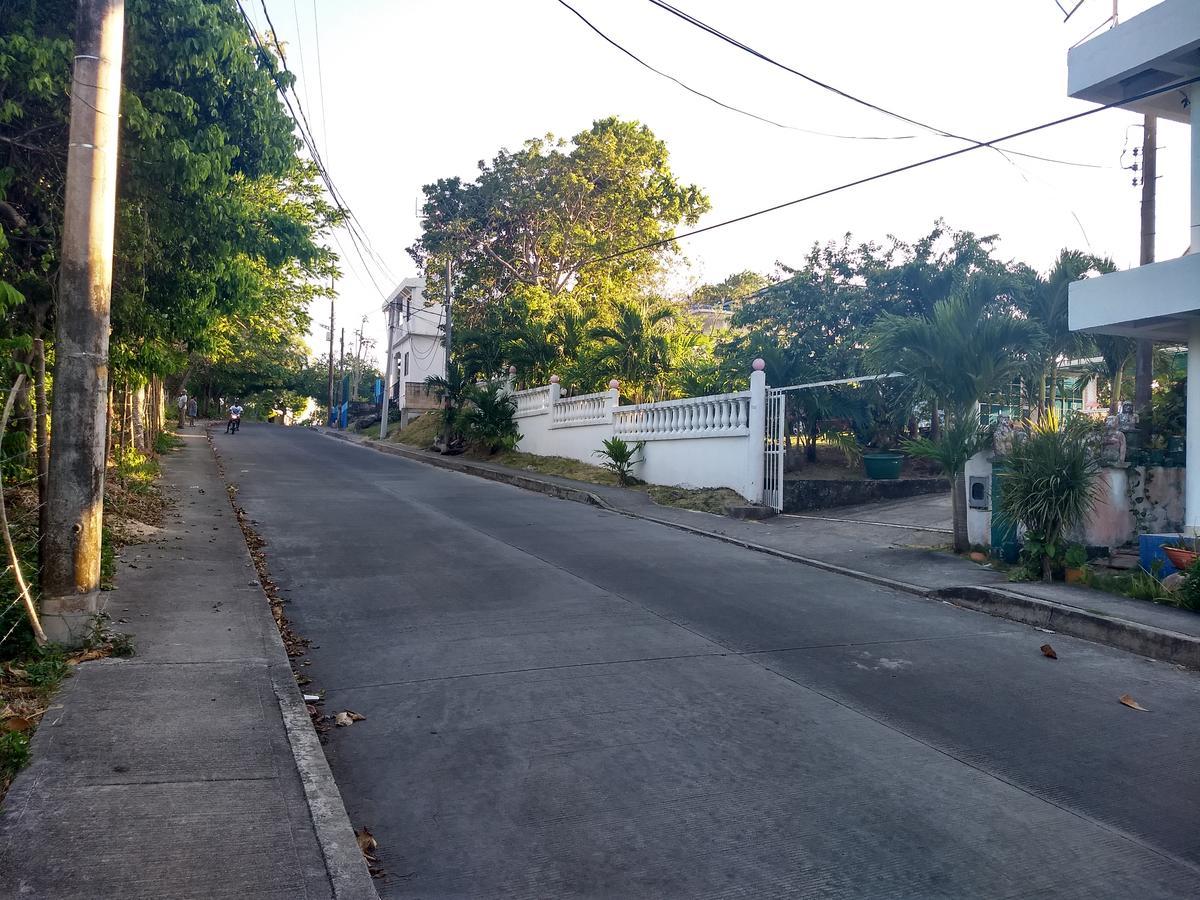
(415,351)
(1158,49)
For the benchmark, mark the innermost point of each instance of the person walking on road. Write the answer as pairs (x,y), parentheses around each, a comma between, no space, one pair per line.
(192,410)
(181,402)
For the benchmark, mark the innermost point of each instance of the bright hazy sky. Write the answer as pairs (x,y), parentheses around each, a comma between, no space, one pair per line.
(417,90)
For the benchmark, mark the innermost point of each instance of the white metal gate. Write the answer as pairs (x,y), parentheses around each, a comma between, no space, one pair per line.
(773,473)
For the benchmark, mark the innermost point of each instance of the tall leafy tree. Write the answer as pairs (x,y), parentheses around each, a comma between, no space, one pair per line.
(554,216)
(1043,298)
(966,347)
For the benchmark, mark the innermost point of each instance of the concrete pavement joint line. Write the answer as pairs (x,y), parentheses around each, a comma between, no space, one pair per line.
(1134,637)
(848,645)
(497,672)
(749,658)
(344,863)
(1083,817)
(865,522)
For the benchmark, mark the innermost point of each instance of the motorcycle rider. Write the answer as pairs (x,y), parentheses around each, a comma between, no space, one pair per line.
(235,417)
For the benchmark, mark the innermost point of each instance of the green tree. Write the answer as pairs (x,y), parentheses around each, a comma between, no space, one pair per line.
(635,348)
(966,347)
(1044,300)
(555,217)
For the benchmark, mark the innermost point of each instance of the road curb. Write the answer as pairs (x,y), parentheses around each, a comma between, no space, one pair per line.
(1134,637)
(344,863)
(1145,640)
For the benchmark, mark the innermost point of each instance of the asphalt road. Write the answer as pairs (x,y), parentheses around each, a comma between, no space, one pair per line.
(564,702)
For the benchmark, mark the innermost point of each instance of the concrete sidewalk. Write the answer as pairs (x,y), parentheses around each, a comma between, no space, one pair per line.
(191,769)
(891,555)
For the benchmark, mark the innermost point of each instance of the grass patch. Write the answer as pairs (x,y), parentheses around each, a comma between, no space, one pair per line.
(549,465)
(167,441)
(708,500)
(28,682)
(420,432)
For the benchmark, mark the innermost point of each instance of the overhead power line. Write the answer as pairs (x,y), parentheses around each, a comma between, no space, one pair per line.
(722,103)
(354,230)
(824,85)
(1179,85)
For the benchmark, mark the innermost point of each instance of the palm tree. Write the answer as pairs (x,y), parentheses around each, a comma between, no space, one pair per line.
(454,390)
(964,349)
(1044,301)
(1115,352)
(634,347)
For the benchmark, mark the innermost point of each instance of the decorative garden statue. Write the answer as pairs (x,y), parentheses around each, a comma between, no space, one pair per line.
(1002,437)
(1127,419)
(1112,448)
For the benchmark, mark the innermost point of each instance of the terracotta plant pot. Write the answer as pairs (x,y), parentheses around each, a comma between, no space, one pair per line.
(1180,559)
(1074,576)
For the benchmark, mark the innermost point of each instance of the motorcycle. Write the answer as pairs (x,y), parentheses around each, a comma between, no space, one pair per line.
(234,423)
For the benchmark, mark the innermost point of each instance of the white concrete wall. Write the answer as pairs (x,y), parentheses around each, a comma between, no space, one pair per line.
(700,463)
(700,442)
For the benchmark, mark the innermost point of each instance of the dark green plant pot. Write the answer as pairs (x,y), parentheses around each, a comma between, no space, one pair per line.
(1176,443)
(1177,459)
(1155,457)
(883,466)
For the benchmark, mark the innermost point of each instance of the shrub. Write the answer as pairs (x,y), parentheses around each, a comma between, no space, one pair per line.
(489,421)
(620,457)
(1076,556)
(1187,595)
(1049,484)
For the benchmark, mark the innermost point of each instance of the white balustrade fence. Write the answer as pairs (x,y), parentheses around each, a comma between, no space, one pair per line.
(586,409)
(715,441)
(533,402)
(721,415)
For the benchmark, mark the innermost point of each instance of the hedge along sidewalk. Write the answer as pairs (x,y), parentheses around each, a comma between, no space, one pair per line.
(192,768)
(878,554)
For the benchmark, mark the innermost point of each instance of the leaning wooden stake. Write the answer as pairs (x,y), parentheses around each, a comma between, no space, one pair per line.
(22,586)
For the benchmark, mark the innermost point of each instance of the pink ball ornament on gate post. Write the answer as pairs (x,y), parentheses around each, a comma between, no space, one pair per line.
(759,364)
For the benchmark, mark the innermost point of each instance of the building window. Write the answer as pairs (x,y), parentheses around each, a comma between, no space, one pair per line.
(405,363)
(408,309)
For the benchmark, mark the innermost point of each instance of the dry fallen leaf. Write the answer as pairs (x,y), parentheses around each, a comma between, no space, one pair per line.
(1048,651)
(87,656)
(1127,700)
(366,840)
(16,723)
(347,717)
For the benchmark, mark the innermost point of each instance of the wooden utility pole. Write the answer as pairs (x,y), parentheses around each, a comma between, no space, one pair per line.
(75,489)
(1144,369)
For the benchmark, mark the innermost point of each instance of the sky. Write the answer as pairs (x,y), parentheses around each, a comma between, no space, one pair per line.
(400,93)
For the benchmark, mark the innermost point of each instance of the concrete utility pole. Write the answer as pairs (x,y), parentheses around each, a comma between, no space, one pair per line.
(1144,369)
(449,295)
(75,489)
(342,378)
(388,372)
(331,352)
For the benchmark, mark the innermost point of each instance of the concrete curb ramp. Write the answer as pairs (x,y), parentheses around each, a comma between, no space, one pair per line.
(1145,640)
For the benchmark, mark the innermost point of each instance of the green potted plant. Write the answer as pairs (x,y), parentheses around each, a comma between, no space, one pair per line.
(1048,485)
(883,464)
(1075,563)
